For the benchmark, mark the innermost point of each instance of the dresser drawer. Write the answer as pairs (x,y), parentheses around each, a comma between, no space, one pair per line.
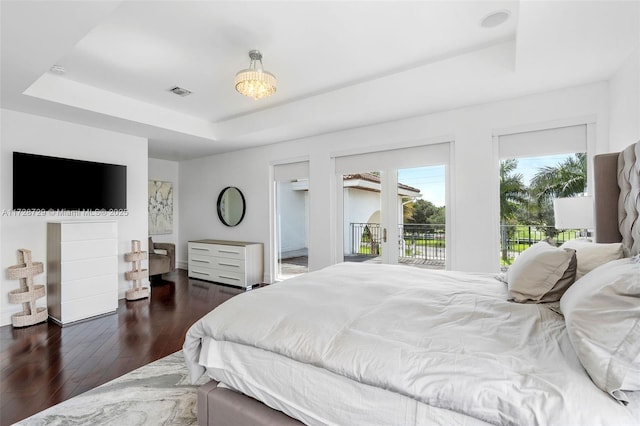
(229,252)
(89,287)
(88,307)
(88,268)
(89,231)
(76,250)
(216,275)
(226,264)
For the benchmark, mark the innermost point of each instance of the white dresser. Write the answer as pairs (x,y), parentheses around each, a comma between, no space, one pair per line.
(236,263)
(82,270)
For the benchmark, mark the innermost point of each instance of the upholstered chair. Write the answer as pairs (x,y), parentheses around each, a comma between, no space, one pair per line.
(162,258)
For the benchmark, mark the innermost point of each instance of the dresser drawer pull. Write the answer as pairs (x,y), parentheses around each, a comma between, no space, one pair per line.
(229,251)
(229,264)
(199,248)
(201,273)
(201,261)
(229,278)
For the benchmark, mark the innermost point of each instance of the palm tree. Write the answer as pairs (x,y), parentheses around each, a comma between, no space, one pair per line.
(513,194)
(408,208)
(565,179)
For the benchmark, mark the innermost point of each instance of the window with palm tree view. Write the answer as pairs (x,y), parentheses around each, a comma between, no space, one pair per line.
(527,189)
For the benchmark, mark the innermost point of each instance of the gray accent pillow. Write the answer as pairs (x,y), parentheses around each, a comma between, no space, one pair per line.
(536,272)
(602,314)
(565,281)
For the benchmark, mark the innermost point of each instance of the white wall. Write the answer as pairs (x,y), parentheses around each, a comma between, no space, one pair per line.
(167,171)
(474,190)
(625,104)
(292,207)
(38,135)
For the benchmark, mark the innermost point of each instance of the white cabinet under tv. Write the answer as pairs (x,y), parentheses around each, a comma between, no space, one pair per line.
(82,270)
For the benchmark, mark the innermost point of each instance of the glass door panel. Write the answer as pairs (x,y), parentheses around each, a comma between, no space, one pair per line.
(362,225)
(422,216)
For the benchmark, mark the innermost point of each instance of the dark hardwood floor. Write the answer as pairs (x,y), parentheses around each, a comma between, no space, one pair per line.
(45,364)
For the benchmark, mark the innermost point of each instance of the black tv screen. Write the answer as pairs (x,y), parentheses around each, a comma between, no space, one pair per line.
(52,183)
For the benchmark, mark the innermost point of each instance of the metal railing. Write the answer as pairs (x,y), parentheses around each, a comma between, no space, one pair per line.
(416,241)
(366,238)
(423,241)
(514,239)
(427,242)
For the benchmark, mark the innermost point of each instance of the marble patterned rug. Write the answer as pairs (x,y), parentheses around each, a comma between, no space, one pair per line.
(155,394)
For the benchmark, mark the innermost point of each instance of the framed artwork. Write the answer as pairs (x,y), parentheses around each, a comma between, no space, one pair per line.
(160,207)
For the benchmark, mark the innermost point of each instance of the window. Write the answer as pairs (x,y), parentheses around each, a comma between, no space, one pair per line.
(535,168)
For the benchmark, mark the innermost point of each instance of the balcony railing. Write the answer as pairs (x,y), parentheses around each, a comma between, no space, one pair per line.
(427,242)
(514,239)
(366,238)
(421,242)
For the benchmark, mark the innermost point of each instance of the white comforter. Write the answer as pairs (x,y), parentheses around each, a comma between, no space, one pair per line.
(447,339)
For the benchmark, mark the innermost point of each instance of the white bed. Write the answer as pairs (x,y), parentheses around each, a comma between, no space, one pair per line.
(361,344)
(382,344)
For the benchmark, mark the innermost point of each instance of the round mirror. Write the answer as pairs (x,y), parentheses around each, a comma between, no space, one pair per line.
(231,206)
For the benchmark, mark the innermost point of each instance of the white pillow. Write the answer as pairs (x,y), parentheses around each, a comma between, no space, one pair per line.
(591,255)
(536,271)
(602,314)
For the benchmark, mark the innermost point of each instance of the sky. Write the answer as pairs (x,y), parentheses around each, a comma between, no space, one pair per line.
(431,180)
(529,166)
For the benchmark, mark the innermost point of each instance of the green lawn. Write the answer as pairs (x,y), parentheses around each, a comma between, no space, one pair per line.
(366,249)
(428,243)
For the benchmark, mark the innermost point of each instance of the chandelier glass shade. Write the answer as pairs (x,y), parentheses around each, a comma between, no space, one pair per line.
(255,82)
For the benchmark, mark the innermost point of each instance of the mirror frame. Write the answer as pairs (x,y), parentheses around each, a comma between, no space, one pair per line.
(244,206)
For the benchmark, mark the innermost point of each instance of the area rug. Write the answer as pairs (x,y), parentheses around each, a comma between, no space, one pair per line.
(155,394)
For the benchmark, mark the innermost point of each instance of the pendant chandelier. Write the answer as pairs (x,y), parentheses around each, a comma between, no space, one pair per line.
(255,82)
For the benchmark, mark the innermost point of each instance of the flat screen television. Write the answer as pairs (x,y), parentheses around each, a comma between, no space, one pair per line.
(53,183)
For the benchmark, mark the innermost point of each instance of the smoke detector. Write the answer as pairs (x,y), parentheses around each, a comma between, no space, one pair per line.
(495,18)
(180,91)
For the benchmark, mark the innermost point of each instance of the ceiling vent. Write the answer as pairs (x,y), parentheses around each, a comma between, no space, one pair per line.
(57,69)
(180,91)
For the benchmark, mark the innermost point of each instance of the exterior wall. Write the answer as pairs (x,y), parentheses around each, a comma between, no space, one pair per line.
(38,135)
(359,207)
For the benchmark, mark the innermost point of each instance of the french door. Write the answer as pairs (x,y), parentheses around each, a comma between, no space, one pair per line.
(391,206)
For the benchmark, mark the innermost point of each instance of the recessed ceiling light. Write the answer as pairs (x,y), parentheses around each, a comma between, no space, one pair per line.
(180,91)
(57,69)
(495,18)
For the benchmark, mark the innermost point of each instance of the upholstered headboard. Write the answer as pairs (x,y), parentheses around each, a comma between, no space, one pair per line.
(617,196)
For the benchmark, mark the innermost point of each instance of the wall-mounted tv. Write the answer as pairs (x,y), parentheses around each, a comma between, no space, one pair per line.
(53,183)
